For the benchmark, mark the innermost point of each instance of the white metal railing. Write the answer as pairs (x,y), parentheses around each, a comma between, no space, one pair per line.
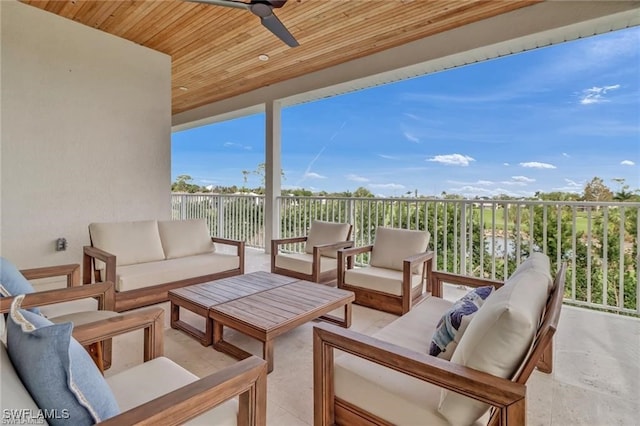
(598,240)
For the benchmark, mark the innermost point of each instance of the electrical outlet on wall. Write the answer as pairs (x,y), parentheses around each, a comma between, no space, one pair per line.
(61,244)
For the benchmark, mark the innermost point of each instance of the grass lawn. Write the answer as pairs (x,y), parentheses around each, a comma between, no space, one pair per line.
(581,219)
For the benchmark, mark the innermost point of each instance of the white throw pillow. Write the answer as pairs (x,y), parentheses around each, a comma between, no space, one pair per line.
(392,246)
(181,238)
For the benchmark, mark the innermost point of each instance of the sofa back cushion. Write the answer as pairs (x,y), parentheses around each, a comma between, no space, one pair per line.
(326,233)
(13,283)
(392,246)
(130,242)
(181,238)
(498,338)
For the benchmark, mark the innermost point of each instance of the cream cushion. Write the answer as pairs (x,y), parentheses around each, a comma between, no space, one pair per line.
(64,308)
(379,279)
(538,261)
(155,378)
(142,275)
(498,338)
(182,238)
(393,396)
(392,246)
(130,242)
(303,262)
(326,233)
(13,394)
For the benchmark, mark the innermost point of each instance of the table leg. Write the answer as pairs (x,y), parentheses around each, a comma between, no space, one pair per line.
(343,322)
(267,354)
(175,314)
(204,337)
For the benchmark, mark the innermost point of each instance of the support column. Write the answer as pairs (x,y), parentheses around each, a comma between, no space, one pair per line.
(273,170)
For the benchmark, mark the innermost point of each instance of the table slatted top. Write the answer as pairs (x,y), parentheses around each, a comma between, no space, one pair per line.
(224,290)
(279,306)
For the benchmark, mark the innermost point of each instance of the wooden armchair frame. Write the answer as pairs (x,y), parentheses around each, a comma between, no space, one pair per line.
(316,275)
(508,397)
(398,305)
(131,299)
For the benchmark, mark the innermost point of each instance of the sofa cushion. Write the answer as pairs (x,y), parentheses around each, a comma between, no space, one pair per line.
(130,242)
(326,233)
(13,394)
(454,322)
(132,277)
(158,377)
(182,238)
(393,396)
(65,308)
(58,372)
(12,282)
(392,246)
(303,262)
(379,279)
(498,338)
(538,261)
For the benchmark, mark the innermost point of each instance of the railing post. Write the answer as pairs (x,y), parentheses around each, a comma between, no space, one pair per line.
(183,206)
(463,239)
(220,219)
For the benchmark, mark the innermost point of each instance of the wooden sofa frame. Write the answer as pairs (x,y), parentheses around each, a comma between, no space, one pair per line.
(398,305)
(130,299)
(246,379)
(316,276)
(507,397)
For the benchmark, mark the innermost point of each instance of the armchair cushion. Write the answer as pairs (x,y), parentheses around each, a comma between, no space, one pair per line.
(379,279)
(131,242)
(392,246)
(12,282)
(303,262)
(158,377)
(182,238)
(498,338)
(58,372)
(326,233)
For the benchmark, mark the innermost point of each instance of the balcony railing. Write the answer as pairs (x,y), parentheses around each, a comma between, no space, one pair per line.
(598,240)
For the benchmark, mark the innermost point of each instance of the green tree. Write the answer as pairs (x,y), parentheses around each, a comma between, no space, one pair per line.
(596,190)
(183,184)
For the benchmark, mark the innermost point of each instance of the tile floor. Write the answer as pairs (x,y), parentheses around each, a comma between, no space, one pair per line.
(596,379)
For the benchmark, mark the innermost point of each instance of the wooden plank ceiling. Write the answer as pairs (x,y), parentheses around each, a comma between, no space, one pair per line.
(215,49)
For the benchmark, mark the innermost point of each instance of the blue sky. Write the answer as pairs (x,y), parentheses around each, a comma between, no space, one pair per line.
(545,120)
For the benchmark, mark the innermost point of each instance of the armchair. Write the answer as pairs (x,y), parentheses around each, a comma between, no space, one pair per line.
(318,262)
(157,391)
(398,266)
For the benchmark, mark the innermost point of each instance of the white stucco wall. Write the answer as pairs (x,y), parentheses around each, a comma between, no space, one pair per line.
(85,134)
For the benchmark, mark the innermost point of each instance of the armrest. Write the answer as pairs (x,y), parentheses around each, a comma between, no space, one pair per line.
(92,253)
(71,271)
(333,246)
(247,378)
(345,259)
(103,291)
(507,396)
(348,252)
(416,259)
(282,241)
(227,241)
(151,320)
(439,278)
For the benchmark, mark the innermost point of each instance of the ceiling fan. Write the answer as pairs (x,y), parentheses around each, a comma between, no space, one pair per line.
(263,9)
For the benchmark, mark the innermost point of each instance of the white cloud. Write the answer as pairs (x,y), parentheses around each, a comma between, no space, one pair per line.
(452,159)
(411,137)
(596,95)
(356,178)
(572,183)
(386,186)
(523,179)
(237,145)
(387,157)
(505,164)
(472,191)
(627,163)
(411,116)
(313,175)
(537,165)
(564,154)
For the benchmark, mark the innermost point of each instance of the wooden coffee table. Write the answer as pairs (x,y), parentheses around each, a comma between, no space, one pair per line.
(200,298)
(270,313)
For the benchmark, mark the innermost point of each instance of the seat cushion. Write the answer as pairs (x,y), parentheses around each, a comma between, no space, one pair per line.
(152,379)
(58,372)
(395,397)
(13,394)
(454,322)
(303,262)
(379,279)
(130,242)
(498,338)
(12,282)
(142,275)
(182,238)
(392,246)
(326,233)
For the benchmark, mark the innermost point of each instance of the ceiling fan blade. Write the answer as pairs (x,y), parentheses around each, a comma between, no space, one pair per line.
(273,24)
(225,3)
